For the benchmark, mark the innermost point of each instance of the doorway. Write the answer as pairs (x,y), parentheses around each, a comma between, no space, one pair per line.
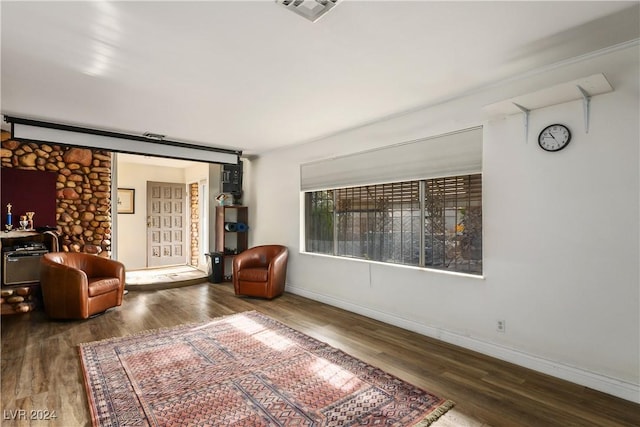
(166,224)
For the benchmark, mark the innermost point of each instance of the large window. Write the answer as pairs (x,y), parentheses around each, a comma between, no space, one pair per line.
(435,223)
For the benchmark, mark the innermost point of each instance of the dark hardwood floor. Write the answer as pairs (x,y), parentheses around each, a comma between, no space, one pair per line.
(41,368)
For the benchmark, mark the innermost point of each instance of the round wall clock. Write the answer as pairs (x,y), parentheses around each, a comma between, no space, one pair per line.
(554,137)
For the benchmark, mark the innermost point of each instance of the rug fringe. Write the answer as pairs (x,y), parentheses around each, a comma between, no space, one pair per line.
(437,413)
(87,385)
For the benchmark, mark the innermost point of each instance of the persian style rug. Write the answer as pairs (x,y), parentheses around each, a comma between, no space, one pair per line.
(244,369)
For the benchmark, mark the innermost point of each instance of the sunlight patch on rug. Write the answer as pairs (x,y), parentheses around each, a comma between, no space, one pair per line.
(244,369)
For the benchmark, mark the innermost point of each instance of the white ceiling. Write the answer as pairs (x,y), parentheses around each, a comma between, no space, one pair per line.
(154,161)
(253,76)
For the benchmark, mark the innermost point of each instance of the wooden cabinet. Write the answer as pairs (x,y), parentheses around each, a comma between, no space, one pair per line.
(232,234)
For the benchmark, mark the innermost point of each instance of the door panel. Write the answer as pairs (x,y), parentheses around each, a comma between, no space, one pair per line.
(166,224)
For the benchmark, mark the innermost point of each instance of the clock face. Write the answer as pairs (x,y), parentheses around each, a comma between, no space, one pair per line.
(554,137)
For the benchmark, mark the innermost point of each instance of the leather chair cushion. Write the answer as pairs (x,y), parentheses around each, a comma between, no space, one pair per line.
(253,274)
(102,285)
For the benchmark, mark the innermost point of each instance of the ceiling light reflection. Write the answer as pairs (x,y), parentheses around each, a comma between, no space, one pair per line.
(246,325)
(262,334)
(274,340)
(105,35)
(335,375)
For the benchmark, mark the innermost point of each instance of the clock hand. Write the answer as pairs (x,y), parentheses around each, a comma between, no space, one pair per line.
(552,136)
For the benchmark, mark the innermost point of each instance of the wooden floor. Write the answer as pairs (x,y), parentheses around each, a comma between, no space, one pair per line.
(41,368)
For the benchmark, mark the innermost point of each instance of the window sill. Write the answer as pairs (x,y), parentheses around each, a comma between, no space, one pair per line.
(392,265)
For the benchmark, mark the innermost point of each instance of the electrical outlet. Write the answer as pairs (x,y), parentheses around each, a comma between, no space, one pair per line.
(501,326)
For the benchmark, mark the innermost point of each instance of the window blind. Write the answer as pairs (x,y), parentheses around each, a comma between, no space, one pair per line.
(458,153)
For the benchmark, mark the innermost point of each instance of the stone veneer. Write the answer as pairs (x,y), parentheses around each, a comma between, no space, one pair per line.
(19,300)
(83,211)
(195,223)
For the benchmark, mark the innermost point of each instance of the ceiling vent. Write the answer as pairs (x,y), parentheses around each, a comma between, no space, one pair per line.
(310,9)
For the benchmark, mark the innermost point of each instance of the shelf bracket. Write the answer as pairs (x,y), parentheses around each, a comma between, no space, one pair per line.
(525,117)
(586,104)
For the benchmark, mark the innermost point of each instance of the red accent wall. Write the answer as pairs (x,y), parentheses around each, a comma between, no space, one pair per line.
(28,190)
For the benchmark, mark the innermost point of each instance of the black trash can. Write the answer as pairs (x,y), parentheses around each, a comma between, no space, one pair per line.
(215,266)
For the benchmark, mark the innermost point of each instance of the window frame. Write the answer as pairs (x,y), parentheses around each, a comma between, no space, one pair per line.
(455,240)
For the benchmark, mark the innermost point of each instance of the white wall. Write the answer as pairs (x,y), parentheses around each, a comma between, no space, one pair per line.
(561,235)
(132,228)
(196,173)
(215,185)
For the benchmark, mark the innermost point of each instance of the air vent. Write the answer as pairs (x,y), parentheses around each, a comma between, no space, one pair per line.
(153,136)
(310,9)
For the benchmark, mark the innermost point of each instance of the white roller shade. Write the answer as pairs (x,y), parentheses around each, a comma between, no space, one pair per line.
(458,153)
(71,135)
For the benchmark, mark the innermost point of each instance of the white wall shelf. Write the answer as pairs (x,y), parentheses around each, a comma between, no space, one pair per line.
(574,90)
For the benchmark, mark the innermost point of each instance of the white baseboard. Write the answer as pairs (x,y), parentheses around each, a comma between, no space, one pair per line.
(605,384)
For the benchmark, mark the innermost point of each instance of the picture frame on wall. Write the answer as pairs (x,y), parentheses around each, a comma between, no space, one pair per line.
(126,200)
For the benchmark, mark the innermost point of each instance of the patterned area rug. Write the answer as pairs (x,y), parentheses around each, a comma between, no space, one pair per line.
(244,369)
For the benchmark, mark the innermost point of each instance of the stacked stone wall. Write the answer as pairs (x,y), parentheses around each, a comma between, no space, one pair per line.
(20,300)
(83,185)
(195,223)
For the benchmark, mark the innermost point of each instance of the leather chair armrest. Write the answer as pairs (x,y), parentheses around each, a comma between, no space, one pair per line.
(278,272)
(62,286)
(251,258)
(105,267)
(63,277)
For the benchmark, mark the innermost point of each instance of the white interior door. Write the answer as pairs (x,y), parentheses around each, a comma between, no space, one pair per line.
(166,224)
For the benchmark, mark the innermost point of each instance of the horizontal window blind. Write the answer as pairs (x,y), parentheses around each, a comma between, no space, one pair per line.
(458,153)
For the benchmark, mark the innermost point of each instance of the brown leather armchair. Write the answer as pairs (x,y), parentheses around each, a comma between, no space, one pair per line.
(260,271)
(79,285)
